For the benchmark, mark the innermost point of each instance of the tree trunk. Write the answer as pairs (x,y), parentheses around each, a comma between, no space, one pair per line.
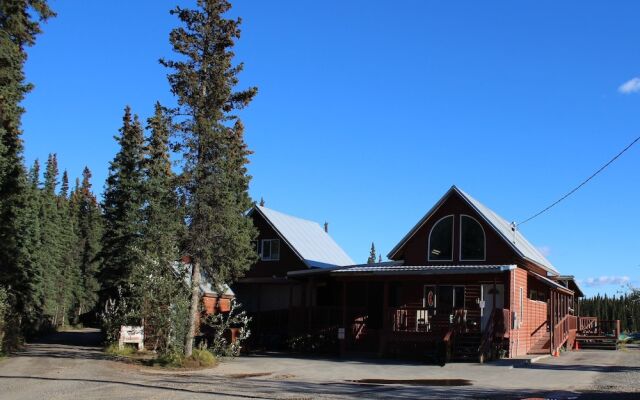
(193,311)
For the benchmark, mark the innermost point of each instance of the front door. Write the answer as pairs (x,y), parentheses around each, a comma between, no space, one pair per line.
(487,299)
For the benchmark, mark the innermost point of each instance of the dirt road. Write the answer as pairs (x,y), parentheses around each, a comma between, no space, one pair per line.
(70,365)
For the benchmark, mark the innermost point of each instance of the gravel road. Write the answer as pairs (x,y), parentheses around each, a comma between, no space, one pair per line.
(71,365)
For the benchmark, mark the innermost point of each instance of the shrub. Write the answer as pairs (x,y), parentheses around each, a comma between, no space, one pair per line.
(325,342)
(220,325)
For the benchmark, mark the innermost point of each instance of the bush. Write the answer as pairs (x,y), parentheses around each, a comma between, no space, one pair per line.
(219,326)
(325,342)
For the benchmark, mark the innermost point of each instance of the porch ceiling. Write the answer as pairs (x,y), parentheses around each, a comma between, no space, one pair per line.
(422,269)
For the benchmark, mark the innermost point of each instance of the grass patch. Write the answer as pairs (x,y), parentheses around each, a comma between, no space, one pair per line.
(115,350)
(198,359)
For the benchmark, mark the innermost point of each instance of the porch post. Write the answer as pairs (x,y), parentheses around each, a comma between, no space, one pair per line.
(382,348)
(343,341)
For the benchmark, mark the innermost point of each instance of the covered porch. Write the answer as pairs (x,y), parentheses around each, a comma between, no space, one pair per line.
(430,312)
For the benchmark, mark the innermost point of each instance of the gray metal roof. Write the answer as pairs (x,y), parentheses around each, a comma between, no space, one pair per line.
(516,240)
(424,269)
(206,288)
(307,238)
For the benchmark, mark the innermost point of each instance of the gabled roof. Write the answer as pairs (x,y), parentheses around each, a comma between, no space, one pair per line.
(307,239)
(515,239)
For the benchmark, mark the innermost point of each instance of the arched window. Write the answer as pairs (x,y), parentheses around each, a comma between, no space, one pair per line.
(441,240)
(472,240)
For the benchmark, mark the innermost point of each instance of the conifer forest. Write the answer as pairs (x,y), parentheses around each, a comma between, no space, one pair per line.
(70,255)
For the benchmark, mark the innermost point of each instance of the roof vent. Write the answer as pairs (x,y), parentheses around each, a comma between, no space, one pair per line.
(514,226)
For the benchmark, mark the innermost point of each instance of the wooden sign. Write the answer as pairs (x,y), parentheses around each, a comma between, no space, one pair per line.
(131,334)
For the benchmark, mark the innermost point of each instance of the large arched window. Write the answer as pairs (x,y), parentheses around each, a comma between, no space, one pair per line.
(441,240)
(472,240)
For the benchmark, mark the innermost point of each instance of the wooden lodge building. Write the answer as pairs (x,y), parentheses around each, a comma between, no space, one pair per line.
(461,284)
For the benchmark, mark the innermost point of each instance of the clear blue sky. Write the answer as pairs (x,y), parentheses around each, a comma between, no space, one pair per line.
(368,111)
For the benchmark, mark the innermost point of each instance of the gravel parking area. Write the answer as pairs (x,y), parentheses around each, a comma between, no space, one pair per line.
(69,365)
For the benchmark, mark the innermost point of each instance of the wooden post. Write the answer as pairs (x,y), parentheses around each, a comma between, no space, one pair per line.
(382,348)
(343,341)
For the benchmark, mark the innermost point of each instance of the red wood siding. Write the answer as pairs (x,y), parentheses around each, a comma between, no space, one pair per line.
(289,261)
(534,313)
(414,252)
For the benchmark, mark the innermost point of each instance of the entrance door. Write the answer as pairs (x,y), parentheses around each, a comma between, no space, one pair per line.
(488,296)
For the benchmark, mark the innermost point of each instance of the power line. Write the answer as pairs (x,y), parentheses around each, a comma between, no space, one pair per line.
(580,185)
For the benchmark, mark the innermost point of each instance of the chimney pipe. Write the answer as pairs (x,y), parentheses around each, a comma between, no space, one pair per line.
(326,227)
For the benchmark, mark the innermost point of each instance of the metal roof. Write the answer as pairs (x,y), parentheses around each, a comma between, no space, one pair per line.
(424,269)
(551,283)
(206,288)
(515,239)
(307,238)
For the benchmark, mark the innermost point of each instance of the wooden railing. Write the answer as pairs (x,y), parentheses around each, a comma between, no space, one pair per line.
(587,323)
(497,327)
(410,320)
(560,334)
(484,350)
(591,326)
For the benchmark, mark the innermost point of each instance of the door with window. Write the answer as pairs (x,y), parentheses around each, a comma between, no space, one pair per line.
(488,294)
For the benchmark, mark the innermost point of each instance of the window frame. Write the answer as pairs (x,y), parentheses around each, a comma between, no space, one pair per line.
(453,235)
(484,241)
(270,241)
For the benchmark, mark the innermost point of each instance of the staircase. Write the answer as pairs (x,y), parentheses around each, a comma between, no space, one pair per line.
(466,346)
(542,344)
(597,342)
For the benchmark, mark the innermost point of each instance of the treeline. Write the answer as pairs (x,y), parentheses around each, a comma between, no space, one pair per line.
(64,255)
(625,308)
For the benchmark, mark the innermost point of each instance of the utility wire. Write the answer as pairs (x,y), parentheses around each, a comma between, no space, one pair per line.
(580,185)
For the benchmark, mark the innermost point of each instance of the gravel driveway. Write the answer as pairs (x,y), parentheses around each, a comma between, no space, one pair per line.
(70,365)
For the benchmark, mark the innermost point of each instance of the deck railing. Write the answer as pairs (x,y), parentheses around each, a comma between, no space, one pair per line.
(587,323)
(560,334)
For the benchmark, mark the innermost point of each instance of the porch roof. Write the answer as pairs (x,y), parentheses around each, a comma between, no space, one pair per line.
(422,269)
(551,283)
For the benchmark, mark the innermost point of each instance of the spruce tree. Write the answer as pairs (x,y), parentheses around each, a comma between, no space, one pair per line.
(123,203)
(88,217)
(372,255)
(161,297)
(214,174)
(19,26)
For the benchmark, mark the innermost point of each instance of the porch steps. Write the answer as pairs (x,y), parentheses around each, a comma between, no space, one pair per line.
(597,342)
(466,347)
(542,345)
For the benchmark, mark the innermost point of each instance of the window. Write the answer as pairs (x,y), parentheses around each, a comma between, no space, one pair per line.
(472,240)
(441,240)
(270,250)
(450,298)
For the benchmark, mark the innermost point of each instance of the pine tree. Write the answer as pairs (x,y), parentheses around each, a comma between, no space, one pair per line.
(214,173)
(88,217)
(123,203)
(51,250)
(372,255)
(160,291)
(19,273)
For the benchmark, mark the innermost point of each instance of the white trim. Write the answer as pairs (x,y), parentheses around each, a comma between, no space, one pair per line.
(484,242)
(453,230)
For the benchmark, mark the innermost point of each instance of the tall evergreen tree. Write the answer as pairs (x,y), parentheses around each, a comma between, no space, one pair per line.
(214,172)
(372,255)
(19,26)
(89,227)
(123,202)
(160,297)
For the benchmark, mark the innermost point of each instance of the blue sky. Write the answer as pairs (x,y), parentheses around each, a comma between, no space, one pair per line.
(368,111)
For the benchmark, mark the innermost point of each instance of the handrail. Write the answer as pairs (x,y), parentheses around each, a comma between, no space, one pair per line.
(560,334)
(487,336)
